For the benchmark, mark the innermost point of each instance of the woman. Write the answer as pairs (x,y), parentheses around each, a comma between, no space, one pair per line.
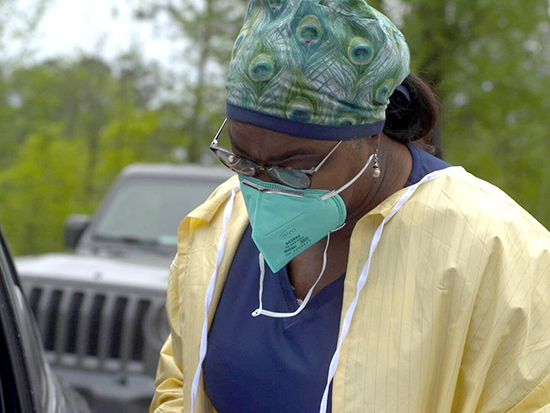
(345,269)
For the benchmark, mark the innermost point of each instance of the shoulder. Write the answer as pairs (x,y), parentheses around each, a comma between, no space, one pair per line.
(203,227)
(207,210)
(477,225)
(471,225)
(464,197)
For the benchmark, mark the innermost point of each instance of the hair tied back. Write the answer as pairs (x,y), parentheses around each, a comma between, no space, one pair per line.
(401,97)
(413,111)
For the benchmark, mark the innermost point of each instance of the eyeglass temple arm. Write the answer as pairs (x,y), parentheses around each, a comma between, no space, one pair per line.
(215,141)
(326,157)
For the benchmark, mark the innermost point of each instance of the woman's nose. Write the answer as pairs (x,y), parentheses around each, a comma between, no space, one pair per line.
(264,176)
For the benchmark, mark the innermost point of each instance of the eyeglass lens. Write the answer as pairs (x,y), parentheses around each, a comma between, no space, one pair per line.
(239,165)
(293,178)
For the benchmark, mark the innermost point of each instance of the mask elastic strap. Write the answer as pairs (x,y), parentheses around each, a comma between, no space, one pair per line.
(346,186)
(261,311)
(210,293)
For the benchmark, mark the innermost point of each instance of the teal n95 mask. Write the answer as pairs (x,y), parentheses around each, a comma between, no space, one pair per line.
(287,221)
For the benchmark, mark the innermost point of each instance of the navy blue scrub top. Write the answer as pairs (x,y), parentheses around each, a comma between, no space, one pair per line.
(266,364)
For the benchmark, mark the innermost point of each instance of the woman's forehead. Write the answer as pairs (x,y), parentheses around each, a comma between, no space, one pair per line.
(268,146)
(247,136)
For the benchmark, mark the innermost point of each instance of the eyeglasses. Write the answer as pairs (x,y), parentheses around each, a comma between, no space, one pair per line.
(294,178)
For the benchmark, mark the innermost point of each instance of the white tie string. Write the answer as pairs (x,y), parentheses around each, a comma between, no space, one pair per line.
(210,293)
(261,311)
(365,273)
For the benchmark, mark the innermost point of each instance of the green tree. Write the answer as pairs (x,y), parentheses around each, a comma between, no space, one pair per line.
(489,62)
(77,124)
(18,24)
(210,28)
(39,192)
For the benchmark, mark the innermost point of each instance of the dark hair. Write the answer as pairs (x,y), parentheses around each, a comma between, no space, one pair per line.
(415,121)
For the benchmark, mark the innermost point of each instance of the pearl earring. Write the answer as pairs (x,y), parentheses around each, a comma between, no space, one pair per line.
(376,168)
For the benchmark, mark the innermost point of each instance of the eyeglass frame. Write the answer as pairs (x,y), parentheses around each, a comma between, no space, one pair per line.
(214,147)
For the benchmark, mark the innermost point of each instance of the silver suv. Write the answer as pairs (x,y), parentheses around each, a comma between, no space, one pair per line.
(100,310)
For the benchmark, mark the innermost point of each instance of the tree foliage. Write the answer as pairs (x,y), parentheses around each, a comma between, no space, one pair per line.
(67,127)
(18,23)
(66,132)
(210,27)
(490,63)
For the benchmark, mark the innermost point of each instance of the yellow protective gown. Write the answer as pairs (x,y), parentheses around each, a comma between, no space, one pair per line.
(454,316)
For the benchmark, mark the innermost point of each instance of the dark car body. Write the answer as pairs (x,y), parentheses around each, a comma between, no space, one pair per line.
(100,310)
(27,383)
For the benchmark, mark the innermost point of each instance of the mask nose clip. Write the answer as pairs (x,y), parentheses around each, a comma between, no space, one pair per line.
(272,191)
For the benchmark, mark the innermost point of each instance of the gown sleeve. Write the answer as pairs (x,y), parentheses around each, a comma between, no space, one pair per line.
(169,379)
(506,359)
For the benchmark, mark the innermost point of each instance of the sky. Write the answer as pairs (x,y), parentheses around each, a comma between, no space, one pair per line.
(106,27)
(103,27)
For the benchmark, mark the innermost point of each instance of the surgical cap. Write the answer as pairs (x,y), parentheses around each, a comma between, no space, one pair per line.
(319,69)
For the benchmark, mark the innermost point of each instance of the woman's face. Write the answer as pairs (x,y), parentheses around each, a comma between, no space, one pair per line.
(266,147)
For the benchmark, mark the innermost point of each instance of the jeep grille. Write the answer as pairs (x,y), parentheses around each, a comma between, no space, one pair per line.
(107,330)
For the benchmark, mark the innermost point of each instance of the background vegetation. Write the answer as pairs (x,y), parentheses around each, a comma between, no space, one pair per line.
(68,125)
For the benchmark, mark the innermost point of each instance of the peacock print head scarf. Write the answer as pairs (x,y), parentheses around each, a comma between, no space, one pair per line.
(319,69)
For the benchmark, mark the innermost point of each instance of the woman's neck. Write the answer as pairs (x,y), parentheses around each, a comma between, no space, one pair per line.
(396,163)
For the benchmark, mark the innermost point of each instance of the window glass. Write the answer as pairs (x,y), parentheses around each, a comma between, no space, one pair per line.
(1,397)
(8,394)
(5,374)
(8,399)
(26,327)
(151,210)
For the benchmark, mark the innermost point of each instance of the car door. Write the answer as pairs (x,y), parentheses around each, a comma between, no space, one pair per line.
(17,389)
(27,382)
